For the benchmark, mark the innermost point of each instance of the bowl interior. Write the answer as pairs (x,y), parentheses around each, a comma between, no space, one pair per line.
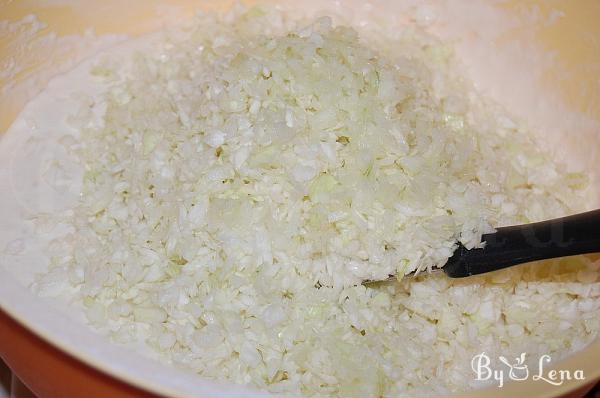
(538,59)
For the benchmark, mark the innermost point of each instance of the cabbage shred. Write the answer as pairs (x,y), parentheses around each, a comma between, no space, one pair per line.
(252,170)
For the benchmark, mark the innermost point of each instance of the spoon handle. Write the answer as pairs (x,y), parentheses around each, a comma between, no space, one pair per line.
(560,237)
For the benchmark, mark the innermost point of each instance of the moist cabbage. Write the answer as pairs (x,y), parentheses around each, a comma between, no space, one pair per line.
(249,171)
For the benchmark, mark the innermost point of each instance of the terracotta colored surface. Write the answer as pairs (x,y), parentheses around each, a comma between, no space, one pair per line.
(20,390)
(30,357)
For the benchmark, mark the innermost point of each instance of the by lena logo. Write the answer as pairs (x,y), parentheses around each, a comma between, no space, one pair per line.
(518,370)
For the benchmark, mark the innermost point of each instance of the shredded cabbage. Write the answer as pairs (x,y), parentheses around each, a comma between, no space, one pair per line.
(252,170)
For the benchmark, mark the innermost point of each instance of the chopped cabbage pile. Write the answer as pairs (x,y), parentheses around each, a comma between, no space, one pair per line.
(251,170)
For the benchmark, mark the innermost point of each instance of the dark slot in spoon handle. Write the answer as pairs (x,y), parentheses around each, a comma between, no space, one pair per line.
(560,237)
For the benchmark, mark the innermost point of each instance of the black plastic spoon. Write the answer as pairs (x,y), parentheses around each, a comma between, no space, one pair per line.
(508,246)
